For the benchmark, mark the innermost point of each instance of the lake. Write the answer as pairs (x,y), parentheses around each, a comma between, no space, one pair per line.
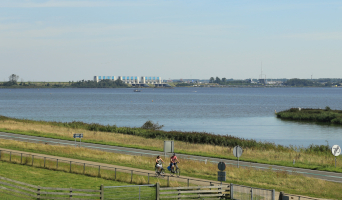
(243,112)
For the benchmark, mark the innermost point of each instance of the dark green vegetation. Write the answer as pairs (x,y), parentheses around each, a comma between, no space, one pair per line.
(150,130)
(225,81)
(326,115)
(312,83)
(101,84)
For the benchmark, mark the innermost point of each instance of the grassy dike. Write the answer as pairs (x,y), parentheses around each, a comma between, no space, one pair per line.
(319,160)
(269,179)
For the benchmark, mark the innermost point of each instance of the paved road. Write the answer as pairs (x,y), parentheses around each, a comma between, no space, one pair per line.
(329,176)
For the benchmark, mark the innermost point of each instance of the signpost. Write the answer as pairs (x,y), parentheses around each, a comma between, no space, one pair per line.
(237,151)
(336,151)
(78,135)
(168,147)
(221,175)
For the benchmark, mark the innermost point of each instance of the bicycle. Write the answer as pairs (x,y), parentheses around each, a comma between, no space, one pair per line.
(175,170)
(160,172)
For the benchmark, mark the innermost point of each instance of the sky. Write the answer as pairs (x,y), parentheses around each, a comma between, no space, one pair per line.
(71,40)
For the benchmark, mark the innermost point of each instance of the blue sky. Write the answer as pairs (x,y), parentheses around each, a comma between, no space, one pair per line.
(75,40)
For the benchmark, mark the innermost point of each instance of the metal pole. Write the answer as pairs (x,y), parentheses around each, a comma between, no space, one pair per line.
(335,161)
(80,142)
(139,192)
(231,191)
(251,193)
(238,162)
(273,194)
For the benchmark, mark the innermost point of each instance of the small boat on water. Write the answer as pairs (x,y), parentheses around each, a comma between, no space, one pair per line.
(137,91)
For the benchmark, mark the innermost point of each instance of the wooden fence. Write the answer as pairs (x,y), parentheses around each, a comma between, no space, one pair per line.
(202,192)
(28,191)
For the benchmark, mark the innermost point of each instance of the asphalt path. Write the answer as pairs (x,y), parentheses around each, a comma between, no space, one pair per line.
(329,176)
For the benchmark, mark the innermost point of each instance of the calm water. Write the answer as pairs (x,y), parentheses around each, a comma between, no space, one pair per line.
(242,112)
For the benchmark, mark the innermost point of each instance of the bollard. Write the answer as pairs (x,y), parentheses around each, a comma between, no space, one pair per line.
(168,181)
(131,176)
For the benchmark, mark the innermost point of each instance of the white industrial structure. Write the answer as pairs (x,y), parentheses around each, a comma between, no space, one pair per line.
(133,80)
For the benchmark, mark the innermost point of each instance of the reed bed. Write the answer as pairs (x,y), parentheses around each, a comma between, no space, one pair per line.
(304,159)
(269,179)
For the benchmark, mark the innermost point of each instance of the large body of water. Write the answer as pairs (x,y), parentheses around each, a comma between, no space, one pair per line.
(242,112)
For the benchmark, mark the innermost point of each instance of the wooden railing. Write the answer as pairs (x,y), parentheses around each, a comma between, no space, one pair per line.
(217,192)
(28,191)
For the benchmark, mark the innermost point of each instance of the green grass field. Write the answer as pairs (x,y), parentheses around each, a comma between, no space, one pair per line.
(50,178)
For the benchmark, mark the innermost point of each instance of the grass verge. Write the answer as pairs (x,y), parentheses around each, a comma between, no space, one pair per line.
(269,179)
(304,159)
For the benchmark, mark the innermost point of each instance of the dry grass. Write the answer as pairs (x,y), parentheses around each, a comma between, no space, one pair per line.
(268,156)
(279,180)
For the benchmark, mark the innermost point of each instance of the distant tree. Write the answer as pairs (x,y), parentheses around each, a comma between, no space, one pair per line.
(217,80)
(224,80)
(211,80)
(152,126)
(13,78)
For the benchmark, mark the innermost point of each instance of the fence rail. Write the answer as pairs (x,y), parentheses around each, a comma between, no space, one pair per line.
(203,192)
(28,191)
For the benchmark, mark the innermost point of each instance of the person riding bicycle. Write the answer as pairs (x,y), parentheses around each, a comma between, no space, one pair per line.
(173,161)
(159,162)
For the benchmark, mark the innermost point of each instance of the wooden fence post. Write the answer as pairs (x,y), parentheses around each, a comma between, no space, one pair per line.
(115,174)
(32,159)
(10,156)
(70,166)
(57,164)
(44,161)
(99,171)
(0,154)
(148,178)
(83,168)
(70,192)
(38,192)
(168,181)
(188,183)
(21,158)
(157,190)
(102,192)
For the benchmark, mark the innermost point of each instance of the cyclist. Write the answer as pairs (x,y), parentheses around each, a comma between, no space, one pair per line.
(173,161)
(159,162)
